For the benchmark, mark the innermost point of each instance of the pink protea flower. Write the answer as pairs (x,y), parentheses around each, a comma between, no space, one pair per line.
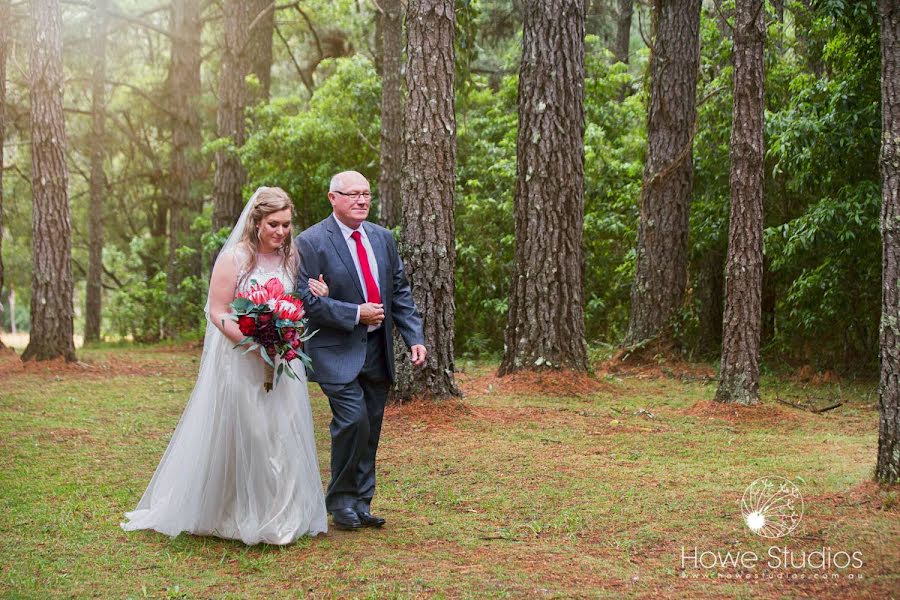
(275,288)
(288,310)
(256,293)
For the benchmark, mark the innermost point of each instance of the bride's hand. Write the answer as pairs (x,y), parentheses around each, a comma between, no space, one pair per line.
(318,287)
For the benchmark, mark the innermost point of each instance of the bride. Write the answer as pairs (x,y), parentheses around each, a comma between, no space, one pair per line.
(242,462)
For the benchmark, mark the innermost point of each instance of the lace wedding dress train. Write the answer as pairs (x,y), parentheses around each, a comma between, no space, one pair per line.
(242,462)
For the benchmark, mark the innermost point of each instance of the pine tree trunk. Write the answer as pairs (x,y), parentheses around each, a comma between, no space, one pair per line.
(545,326)
(93,301)
(186,167)
(768,303)
(152,261)
(378,41)
(51,245)
(389,202)
(662,249)
(887,467)
(230,173)
(623,30)
(389,38)
(427,189)
(710,295)
(262,16)
(739,381)
(5,30)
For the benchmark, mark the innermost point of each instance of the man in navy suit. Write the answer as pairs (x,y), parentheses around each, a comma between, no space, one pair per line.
(352,353)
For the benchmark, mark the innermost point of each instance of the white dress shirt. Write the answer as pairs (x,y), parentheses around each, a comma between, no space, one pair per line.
(370,254)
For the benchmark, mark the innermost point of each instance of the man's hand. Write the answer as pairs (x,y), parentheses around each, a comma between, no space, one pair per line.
(417,354)
(318,287)
(371,313)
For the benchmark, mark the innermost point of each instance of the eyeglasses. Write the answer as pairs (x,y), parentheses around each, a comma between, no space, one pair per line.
(355,195)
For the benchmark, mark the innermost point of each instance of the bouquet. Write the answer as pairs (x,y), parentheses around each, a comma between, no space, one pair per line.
(274,324)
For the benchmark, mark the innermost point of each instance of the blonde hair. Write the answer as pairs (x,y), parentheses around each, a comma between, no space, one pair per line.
(269,200)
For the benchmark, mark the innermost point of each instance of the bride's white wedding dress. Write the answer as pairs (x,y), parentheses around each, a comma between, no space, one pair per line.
(242,462)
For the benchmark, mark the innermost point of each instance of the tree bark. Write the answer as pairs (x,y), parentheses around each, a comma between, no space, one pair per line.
(93,301)
(230,173)
(739,381)
(623,30)
(428,187)
(185,166)
(378,45)
(51,245)
(662,248)
(887,467)
(768,303)
(259,50)
(545,326)
(389,199)
(710,295)
(5,30)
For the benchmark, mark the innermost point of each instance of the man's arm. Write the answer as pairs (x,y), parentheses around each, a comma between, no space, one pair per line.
(406,317)
(325,310)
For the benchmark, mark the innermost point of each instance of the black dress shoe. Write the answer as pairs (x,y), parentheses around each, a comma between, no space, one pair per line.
(369,520)
(345,518)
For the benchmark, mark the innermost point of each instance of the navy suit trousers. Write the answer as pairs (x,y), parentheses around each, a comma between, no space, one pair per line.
(357,410)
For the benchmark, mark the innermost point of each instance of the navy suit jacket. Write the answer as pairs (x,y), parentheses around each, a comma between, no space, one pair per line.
(338,350)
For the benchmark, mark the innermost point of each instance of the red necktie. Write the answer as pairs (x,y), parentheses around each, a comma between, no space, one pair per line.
(371,289)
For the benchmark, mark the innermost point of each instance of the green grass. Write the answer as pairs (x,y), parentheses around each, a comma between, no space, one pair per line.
(506,495)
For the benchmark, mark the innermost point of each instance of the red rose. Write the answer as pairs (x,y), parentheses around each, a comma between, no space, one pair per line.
(288,334)
(295,343)
(290,355)
(264,318)
(246,324)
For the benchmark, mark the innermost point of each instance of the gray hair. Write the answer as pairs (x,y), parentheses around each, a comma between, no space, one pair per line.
(338,183)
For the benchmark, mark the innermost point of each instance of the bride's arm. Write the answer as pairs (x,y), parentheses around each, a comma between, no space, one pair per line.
(222,286)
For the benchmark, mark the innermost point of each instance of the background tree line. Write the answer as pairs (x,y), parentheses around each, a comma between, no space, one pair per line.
(821,177)
(674,175)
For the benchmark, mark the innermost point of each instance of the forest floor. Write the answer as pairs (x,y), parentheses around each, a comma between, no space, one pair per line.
(548,486)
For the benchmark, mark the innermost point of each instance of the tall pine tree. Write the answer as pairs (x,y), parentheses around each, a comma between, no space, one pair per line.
(5,31)
(739,377)
(428,191)
(662,249)
(389,199)
(230,173)
(185,163)
(545,326)
(51,245)
(259,51)
(93,300)
(887,467)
